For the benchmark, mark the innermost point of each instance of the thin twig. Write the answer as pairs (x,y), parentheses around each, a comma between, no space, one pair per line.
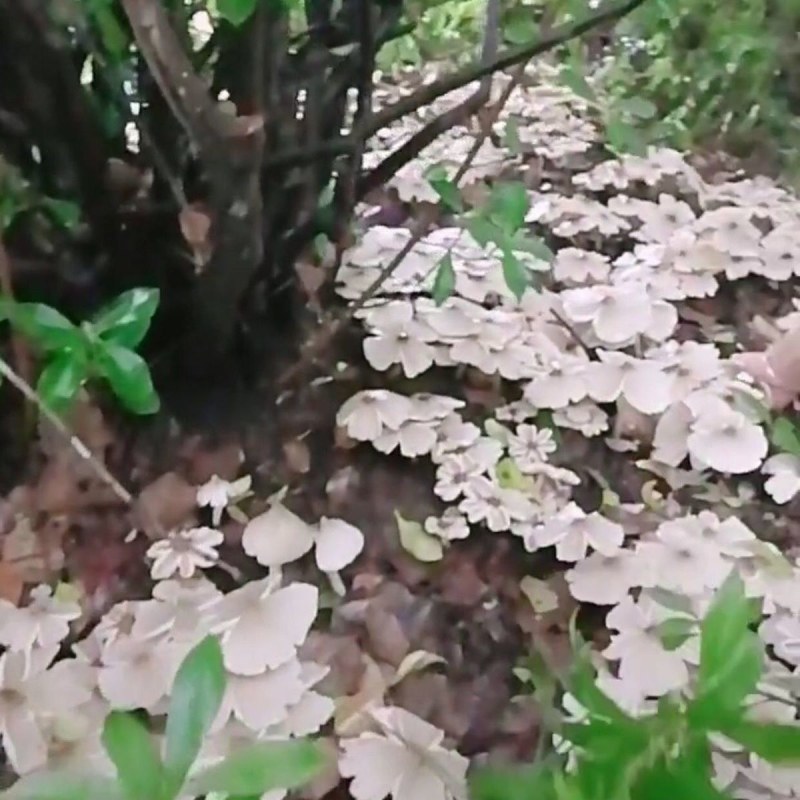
(573,333)
(97,466)
(100,469)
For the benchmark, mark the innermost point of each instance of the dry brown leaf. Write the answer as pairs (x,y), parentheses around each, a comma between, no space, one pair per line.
(202,460)
(349,718)
(311,279)
(63,488)
(11,582)
(169,500)
(459,583)
(195,222)
(87,422)
(297,455)
(344,657)
(36,555)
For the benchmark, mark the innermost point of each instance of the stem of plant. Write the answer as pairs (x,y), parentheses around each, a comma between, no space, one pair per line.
(74,442)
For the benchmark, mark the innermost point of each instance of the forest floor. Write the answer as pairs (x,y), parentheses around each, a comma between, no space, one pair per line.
(590,445)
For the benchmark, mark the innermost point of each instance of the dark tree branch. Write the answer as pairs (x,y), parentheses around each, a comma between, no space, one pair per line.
(508,58)
(410,149)
(42,85)
(230,150)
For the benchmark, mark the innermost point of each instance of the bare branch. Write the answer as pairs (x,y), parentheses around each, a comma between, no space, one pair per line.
(409,150)
(508,58)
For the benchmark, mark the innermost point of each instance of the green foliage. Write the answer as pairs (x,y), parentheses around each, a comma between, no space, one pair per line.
(196,696)
(195,700)
(784,435)
(18,197)
(102,347)
(665,754)
(260,768)
(502,222)
(444,284)
(132,749)
(711,72)
(236,11)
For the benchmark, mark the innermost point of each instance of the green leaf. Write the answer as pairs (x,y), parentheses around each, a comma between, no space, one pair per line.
(127,319)
(484,231)
(664,781)
(195,700)
(508,205)
(623,138)
(533,245)
(637,107)
(61,379)
(236,11)
(42,324)
(260,768)
(730,657)
(448,192)
(515,274)
(520,26)
(675,631)
(784,435)
(511,137)
(572,77)
(582,684)
(776,743)
(510,476)
(64,212)
(129,377)
(132,749)
(671,600)
(444,283)
(63,785)
(521,784)
(417,541)
(608,740)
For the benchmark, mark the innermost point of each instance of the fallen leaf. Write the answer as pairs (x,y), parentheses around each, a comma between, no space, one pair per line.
(169,500)
(350,718)
(417,541)
(35,555)
(342,655)
(203,460)
(311,280)
(87,422)
(541,597)
(11,582)
(297,455)
(416,661)
(195,223)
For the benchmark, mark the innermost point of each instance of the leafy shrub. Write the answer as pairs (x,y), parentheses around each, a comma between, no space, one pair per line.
(103,347)
(717,72)
(666,754)
(142,772)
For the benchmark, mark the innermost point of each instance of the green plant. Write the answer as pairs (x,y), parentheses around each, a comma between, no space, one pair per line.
(144,774)
(715,72)
(500,222)
(103,347)
(665,754)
